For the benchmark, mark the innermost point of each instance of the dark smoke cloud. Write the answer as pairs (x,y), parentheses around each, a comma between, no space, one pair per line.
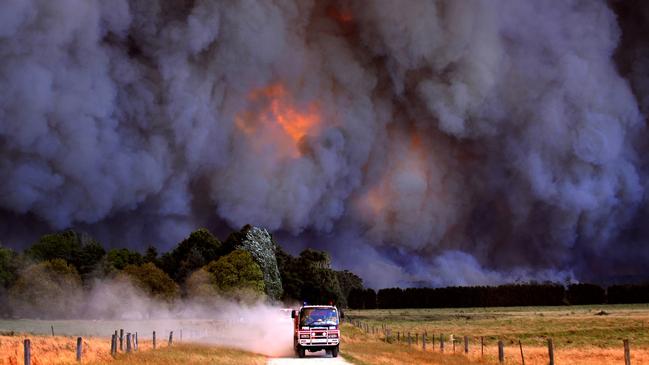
(454,142)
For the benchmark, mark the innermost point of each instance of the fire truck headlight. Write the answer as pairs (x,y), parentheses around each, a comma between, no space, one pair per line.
(304,335)
(333,335)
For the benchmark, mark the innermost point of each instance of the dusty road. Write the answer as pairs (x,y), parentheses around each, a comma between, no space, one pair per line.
(315,358)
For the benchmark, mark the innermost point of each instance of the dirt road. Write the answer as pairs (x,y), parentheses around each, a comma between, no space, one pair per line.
(315,358)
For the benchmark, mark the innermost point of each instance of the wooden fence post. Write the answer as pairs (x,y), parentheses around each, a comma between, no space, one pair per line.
(481,346)
(423,341)
(52,330)
(398,337)
(453,340)
(501,352)
(137,342)
(627,353)
(551,351)
(27,348)
(113,344)
(121,339)
(128,342)
(432,342)
(441,342)
(417,338)
(171,337)
(409,339)
(466,344)
(154,340)
(79,348)
(522,356)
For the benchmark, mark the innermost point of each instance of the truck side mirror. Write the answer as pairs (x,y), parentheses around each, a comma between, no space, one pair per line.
(293,313)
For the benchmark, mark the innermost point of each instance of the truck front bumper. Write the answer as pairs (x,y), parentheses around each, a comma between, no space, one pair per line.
(318,342)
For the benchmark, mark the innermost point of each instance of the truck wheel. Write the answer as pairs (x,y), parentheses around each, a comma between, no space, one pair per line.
(300,352)
(334,351)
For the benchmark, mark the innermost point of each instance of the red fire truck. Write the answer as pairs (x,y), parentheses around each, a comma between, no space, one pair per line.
(315,328)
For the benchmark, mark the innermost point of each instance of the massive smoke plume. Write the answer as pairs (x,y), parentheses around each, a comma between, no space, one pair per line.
(448,142)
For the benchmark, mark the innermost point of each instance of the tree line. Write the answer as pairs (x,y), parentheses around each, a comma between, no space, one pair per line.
(247,267)
(531,294)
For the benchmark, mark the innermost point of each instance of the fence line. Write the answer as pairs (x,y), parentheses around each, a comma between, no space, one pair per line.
(388,338)
(132,342)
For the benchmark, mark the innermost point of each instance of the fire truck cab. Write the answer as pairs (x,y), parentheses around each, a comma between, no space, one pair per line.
(315,328)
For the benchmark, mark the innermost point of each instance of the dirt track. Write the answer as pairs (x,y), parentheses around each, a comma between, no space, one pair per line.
(314,358)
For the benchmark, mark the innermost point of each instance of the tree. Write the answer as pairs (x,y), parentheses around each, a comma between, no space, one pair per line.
(289,271)
(151,255)
(356,299)
(119,258)
(196,251)
(320,282)
(626,294)
(78,249)
(201,286)
(348,281)
(153,281)
(9,269)
(49,289)
(9,265)
(260,244)
(583,293)
(238,276)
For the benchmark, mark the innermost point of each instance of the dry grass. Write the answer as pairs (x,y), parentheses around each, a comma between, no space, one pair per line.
(47,350)
(568,326)
(51,350)
(363,349)
(187,354)
(579,334)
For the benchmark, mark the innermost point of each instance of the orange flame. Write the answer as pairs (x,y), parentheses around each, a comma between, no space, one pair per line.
(274,106)
(378,199)
(340,15)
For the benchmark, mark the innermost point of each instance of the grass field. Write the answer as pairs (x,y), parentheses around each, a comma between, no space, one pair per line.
(581,334)
(56,350)
(193,354)
(361,349)
(61,350)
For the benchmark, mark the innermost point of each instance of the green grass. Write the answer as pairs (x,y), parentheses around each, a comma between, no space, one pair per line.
(568,326)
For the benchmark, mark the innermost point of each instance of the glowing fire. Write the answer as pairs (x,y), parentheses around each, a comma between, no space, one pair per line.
(273,106)
(410,161)
(340,15)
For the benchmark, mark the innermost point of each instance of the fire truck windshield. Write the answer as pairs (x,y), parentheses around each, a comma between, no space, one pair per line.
(319,317)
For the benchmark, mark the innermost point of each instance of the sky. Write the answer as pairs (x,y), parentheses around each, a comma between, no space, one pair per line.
(424,143)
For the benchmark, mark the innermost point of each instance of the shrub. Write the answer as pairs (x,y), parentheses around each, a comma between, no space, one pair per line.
(153,281)
(49,289)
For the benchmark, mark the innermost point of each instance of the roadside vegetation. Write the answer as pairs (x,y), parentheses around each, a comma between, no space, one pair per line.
(60,350)
(187,354)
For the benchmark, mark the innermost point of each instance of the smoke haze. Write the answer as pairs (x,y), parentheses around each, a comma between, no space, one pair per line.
(420,142)
(116,304)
